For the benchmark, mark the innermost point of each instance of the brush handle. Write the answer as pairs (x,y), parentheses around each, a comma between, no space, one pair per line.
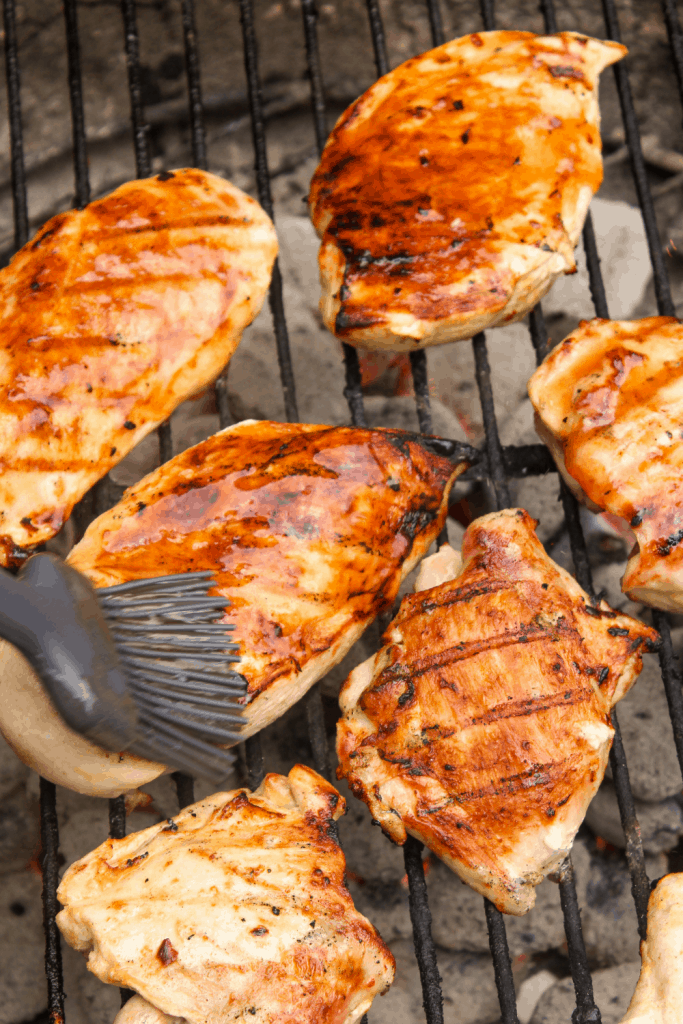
(52,615)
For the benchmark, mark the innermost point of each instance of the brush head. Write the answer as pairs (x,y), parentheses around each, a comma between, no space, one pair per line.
(179,663)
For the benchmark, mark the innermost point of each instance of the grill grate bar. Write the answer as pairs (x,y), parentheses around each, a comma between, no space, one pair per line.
(494,919)
(143,163)
(18,170)
(421,920)
(672,681)
(494,448)
(572,921)
(586,1011)
(595,281)
(117,817)
(418,365)
(379,44)
(194,86)
(117,830)
(353,378)
(310,16)
(635,856)
(502,966)
(435,22)
(661,279)
(265,198)
(49,826)
(673,28)
(547,8)
(80,154)
(49,838)
(498,943)
(353,392)
(420,915)
(539,333)
(184,785)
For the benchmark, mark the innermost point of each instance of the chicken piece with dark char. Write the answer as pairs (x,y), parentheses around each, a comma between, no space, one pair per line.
(482,726)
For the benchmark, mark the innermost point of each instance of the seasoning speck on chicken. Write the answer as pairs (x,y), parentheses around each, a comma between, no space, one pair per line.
(609,405)
(482,727)
(185,917)
(111,317)
(308,530)
(452,193)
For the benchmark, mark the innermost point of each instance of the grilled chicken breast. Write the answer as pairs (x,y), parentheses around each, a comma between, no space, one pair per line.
(609,404)
(235,909)
(452,193)
(483,725)
(109,318)
(658,998)
(309,531)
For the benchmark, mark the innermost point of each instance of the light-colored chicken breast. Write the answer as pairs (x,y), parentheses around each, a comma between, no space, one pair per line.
(110,318)
(609,405)
(308,529)
(658,998)
(482,727)
(452,193)
(234,909)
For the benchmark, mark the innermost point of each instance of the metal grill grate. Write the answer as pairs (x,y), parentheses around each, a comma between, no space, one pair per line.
(494,461)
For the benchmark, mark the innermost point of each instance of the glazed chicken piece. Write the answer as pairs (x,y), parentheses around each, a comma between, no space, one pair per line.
(482,727)
(235,909)
(658,998)
(308,529)
(609,405)
(110,318)
(452,193)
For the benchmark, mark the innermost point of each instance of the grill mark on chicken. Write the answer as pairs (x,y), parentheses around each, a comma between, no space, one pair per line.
(112,316)
(469,649)
(478,588)
(537,775)
(303,529)
(488,749)
(534,705)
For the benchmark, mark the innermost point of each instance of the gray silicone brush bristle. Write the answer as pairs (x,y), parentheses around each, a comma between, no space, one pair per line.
(179,666)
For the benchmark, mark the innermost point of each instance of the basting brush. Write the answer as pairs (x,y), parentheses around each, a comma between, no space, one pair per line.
(144,666)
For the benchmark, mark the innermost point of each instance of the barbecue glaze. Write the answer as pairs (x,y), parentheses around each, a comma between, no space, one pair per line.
(111,317)
(452,193)
(482,726)
(308,529)
(609,405)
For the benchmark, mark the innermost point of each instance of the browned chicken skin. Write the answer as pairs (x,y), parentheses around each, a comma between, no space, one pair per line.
(111,316)
(609,404)
(452,193)
(237,909)
(309,531)
(482,726)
